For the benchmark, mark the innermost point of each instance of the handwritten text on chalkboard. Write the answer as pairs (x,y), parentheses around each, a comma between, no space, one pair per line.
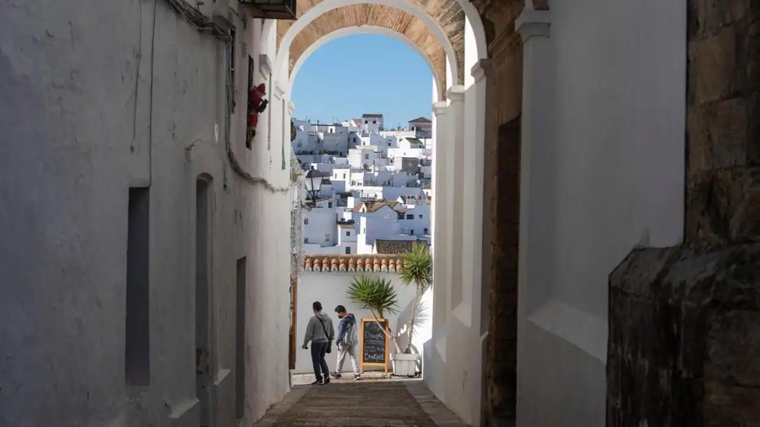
(374,350)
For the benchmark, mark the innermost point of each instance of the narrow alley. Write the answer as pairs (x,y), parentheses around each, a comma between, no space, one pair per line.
(587,192)
(362,404)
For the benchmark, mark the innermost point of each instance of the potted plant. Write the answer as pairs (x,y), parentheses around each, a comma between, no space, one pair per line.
(378,296)
(417,271)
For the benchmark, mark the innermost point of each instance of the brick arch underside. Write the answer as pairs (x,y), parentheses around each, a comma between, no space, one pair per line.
(447,13)
(379,16)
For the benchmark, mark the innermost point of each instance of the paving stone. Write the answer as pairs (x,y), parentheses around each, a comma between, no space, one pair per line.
(362,404)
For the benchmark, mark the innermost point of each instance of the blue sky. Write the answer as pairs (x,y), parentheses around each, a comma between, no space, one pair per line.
(364,73)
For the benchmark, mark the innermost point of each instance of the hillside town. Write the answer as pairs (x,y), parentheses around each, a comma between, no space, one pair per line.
(367,188)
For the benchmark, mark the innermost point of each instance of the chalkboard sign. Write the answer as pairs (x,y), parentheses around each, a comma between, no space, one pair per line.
(374,343)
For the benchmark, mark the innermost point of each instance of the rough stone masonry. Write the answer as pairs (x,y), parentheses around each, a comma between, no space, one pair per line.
(684,325)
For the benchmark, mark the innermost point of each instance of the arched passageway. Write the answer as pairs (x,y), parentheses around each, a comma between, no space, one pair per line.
(444,33)
(577,141)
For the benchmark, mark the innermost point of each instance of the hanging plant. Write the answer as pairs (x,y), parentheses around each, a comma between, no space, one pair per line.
(292,131)
(256,104)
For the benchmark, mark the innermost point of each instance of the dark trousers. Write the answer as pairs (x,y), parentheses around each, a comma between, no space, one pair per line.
(318,351)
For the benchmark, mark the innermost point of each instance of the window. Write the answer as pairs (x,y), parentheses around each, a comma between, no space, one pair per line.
(366,157)
(374,122)
(348,233)
(348,251)
(425,231)
(366,122)
(411,232)
(137,337)
(420,216)
(306,240)
(329,204)
(410,216)
(306,221)
(327,237)
(389,144)
(344,176)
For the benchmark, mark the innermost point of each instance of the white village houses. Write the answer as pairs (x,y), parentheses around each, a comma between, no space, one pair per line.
(371,185)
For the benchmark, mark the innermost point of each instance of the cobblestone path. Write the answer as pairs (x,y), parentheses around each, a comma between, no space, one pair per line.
(361,404)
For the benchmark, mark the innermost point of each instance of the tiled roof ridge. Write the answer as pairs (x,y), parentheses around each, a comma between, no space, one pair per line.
(374,263)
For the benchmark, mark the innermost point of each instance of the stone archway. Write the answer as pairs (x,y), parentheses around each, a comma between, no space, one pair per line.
(365,18)
(437,71)
(445,19)
(451,37)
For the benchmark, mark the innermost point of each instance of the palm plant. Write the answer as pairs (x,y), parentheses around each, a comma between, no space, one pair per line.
(378,296)
(417,270)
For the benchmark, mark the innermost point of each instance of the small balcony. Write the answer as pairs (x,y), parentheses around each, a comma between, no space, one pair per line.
(271,9)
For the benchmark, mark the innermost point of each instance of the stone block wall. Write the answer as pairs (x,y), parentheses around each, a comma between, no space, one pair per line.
(502,204)
(723,129)
(684,337)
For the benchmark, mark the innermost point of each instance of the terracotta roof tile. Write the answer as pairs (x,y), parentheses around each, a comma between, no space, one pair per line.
(376,206)
(353,263)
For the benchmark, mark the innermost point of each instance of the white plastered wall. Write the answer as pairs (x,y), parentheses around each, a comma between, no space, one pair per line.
(466,115)
(93,110)
(602,172)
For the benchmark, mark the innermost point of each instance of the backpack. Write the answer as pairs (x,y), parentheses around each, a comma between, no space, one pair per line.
(350,337)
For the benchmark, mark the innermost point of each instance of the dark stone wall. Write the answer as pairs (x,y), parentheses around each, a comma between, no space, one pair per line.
(684,346)
(501,205)
(723,123)
(684,337)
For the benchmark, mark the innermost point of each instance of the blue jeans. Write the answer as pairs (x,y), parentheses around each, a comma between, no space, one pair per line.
(318,351)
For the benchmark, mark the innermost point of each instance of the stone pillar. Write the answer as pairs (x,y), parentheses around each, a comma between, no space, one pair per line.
(684,322)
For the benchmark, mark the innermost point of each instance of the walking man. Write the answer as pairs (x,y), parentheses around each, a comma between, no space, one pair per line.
(320,332)
(346,341)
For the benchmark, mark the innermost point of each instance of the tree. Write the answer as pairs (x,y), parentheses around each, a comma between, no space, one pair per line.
(418,270)
(378,296)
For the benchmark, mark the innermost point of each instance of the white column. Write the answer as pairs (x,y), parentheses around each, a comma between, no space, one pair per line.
(454,188)
(439,227)
(537,184)
(473,223)
(434,363)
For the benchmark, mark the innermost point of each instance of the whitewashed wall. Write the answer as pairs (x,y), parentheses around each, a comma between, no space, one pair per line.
(81,83)
(612,177)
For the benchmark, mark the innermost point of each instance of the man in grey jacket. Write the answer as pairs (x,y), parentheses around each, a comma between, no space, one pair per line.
(346,341)
(320,332)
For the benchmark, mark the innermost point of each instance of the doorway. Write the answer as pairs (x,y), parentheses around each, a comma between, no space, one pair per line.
(502,335)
